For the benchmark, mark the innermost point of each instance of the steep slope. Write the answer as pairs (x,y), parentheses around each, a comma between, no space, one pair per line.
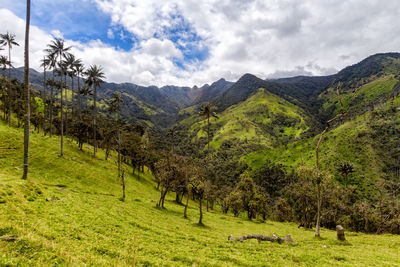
(68,213)
(371,142)
(264,120)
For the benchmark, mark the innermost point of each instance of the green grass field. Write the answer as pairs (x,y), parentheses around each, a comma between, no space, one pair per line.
(68,213)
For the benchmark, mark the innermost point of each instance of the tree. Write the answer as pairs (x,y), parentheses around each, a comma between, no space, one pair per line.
(9,40)
(345,169)
(4,62)
(57,47)
(79,69)
(85,92)
(95,77)
(52,62)
(115,106)
(246,190)
(69,63)
(27,95)
(207,111)
(45,64)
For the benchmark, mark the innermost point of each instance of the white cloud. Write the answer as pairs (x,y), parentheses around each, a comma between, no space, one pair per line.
(266,38)
(110,34)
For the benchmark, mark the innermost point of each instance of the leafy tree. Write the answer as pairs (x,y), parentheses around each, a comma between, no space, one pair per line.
(9,40)
(246,191)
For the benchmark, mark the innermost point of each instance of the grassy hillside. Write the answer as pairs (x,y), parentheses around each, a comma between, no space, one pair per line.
(68,212)
(360,99)
(368,138)
(263,119)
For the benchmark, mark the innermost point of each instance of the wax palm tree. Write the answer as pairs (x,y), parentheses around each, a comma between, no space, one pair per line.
(4,63)
(115,106)
(52,59)
(9,40)
(95,77)
(69,64)
(27,95)
(79,69)
(57,47)
(207,111)
(45,64)
(85,92)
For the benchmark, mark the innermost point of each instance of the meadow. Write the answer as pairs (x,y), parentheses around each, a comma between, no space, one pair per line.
(69,213)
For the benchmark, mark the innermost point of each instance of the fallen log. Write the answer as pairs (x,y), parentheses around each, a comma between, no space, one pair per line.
(260,238)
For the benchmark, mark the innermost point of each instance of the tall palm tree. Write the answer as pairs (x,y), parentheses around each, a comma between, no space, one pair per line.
(69,64)
(45,63)
(9,40)
(52,58)
(95,76)
(57,47)
(115,106)
(4,63)
(79,69)
(85,92)
(27,95)
(207,111)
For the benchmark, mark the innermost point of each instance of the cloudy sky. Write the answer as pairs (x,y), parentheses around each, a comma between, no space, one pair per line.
(192,42)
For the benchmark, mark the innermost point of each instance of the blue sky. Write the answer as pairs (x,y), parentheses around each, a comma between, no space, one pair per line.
(84,21)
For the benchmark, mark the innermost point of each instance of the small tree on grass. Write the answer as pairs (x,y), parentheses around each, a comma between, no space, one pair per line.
(171,172)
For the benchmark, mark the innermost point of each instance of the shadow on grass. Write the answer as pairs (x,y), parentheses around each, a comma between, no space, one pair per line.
(201,225)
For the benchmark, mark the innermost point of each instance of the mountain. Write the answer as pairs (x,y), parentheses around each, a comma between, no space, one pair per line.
(208,92)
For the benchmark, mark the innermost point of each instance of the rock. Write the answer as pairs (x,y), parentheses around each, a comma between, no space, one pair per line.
(340,233)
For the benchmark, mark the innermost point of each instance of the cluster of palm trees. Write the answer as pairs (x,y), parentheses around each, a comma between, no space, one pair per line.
(62,63)
(8,40)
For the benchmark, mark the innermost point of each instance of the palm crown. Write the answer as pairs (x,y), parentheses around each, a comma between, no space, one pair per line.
(4,62)
(207,111)
(95,75)
(8,39)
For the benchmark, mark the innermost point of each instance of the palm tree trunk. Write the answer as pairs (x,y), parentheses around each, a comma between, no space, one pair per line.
(51,106)
(79,98)
(72,96)
(26,85)
(4,95)
(66,105)
(119,147)
(44,100)
(9,88)
(94,120)
(62,117)
(208,141)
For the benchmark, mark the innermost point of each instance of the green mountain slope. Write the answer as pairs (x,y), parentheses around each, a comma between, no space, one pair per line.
(370,141)
(68,213)
(263,119)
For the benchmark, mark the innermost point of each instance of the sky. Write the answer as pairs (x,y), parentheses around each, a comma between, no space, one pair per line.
(193,42)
